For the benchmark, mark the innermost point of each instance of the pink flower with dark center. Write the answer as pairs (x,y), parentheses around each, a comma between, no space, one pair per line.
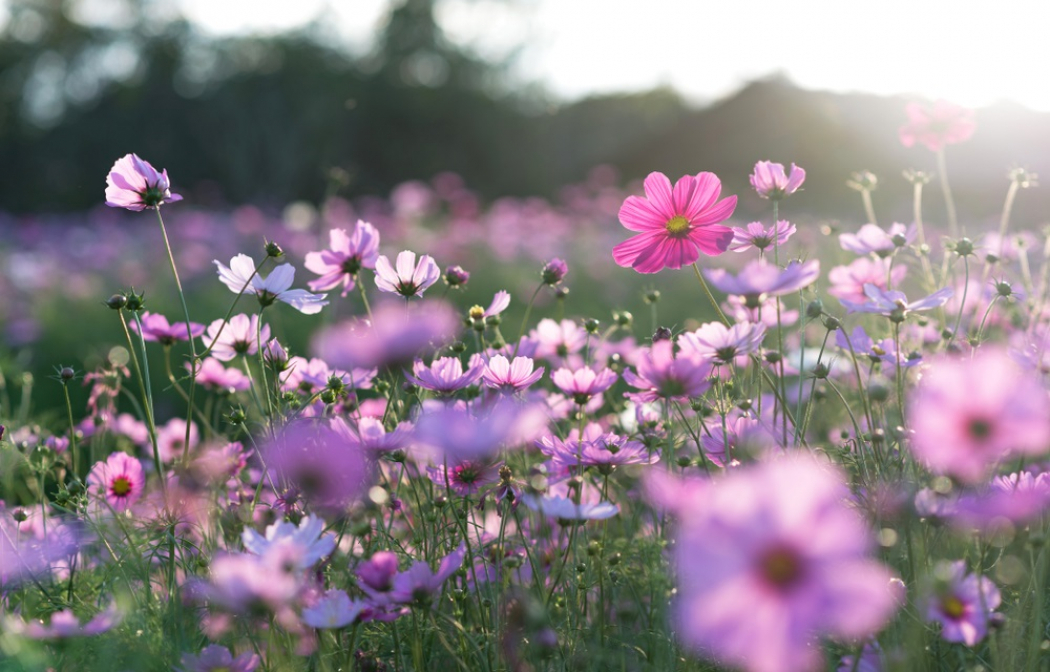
(212,375)
(409,278)
(171,439)
(774,554)
(156,328)
(445,375)
(346,256)
(847,282)
(938,125)
(465,478)
(661,375)
(962,603)
(510,376)
(557,340)
(583,383)
(240,336)
(674,225)
(376,575)
(760,279)
(968,415)
(721,344)
(758,236)
(119,480)
(770,180)
(136,185)
(872,239)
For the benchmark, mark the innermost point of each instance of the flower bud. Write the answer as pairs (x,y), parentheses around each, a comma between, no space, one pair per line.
(237,416)
(1004,288)
(67,373)
(455,276)
(459,347)
(652,296)
(821,371)
(831,323)
(899,240)
(622,318)
(684,461)
(964,247)
(815,309)
(661,334)
(591,325)
(135,302)
(554,272)
(273,249)
(561,293)
(117,301)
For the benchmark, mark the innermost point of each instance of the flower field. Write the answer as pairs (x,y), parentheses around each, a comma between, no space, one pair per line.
(620,431)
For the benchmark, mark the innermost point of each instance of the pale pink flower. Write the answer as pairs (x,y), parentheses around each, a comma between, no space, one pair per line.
(240,336)
(938,125)
(511,376)
(241,276)
(333,611)
(962,603)
(872,239)
(758,236)
(847,282)
(346,256)
(674,225)
(136,185)
(760,279)
(583,383)
(661,375)
(721,344)
(409,278)
(770,180)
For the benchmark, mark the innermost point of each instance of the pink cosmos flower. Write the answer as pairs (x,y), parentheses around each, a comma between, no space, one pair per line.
(721,344)
(212,375)
(240,336)
(346,256)
(770,181)
(136,185)
(583,383)
(556,341)
(156,328)
(376,575)
(764,311)
(564,508)
(409,278)
(967,415)
(661,375)
(418,584)
(465,478)
(241,276)
(215,658)
(962,603)
(390,337)
(674,225)
(859,343)
(445,375)
(171,439)
(455,434)
(770,557)
(64,624)
(510,376)
(938,125)
(872,239)
(760,279)
(895,304)
(847,282)
(119,480)
(758,236)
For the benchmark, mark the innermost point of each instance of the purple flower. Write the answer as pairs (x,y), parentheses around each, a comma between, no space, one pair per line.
(661,375)
(968,415)
(64,624)
(760,279)
(410,278)
(333,611)
(134,184)
(1014,498)
(465,478)
(554,271)
(456,434)
(241,276)
(156,328)
(583,383)
(757,236)
(894,304)
(456,276)
(962,603)
(376,575)
(773,554)
(418,584)
(444,375)
(847,282)
(346,256)
(721,344)
(871,239)
(214,376)
(510,376)
(308,537)
(564,508)
(215,658)
(884,351)
(770,181)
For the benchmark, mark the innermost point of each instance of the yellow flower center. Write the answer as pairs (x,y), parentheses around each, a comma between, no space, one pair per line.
(677,224)
(952,607)
(121,486)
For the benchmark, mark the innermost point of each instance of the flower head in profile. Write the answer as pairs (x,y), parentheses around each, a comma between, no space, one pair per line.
(136,185)
(873,239)
(935,126)
(760,279)
(346,256)
(408,278)
(758,236)
(894,304)
(119,480)
(334,610)
(240,336)
(773,554)
(674,225)
(241,276)
(770,180)
(661,375)
(155,327)
(962,603)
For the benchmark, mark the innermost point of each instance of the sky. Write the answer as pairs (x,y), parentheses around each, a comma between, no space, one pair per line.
(972,52)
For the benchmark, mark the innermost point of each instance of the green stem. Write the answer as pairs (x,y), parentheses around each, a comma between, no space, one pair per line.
(949,203)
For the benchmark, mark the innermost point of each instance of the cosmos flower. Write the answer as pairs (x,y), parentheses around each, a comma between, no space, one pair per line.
(721,344)
(847,282)
(661,375)
(583,383)
(240,336)
(770,180)
(758,236)
(445,375)
(962,603)
(894,304)
(119,480)
(872,239)
(346,256)
(465,478)
(564,508)
(156,328)
(419,584)
(938,125)
(773,554)
(308,536)
(212,375)
(510,376)
(136,185)
(334,610)
(215,658)
(760,279)
(65,624)
(409,278)
(241,276)
(674,225)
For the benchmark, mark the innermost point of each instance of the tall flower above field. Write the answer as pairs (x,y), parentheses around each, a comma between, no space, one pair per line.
(935,126)
(770,180)
(407,277)
(241,276)
(136,185)
(346,256)
(674,225)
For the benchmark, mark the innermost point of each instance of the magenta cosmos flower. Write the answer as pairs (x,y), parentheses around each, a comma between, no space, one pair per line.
(967,415)
(134,184)
(119,480)
(770,180)
(155,327)
(938,125)
(346,256)
(510,376)
(771,557)
(661,375)
(674,225)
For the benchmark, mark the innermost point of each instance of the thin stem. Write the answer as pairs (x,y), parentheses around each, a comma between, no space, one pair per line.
(710,296)
(869,209)
(949,203)
(1004,220)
